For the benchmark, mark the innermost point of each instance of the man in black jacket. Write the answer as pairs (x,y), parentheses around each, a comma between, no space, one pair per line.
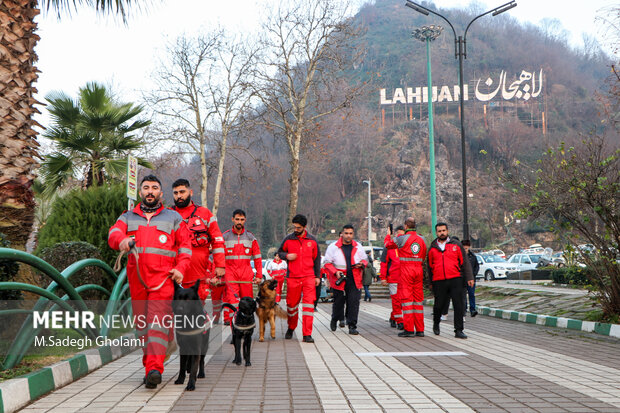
(475,267)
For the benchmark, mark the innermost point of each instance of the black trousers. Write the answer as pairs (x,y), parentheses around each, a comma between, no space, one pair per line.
(444,291)
(351,295)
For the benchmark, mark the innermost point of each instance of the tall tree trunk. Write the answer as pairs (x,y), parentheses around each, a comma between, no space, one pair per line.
(220,172)
(294,187)
(203,174)
(17,137)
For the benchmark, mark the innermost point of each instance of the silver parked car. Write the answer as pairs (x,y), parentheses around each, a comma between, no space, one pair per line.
(524,262)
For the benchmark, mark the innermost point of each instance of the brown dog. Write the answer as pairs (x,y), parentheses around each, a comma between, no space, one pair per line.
(268,309)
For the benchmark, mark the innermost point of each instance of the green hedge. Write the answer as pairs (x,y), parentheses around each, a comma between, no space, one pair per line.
(571,275)
(85,215)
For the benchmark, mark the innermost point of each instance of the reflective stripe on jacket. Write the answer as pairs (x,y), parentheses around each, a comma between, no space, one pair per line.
(241,249)
(163,243)
(200,255)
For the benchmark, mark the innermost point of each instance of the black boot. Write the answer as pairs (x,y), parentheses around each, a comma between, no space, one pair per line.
(406,333)
(436,328)
(393,323)
(333,325)
(289,334)
(460,334)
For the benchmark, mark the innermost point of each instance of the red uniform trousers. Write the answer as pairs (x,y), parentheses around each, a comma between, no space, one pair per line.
(301,289)
(280,279)
(217,294)
(235,290)
(397,310)
(411,294)
(153,314)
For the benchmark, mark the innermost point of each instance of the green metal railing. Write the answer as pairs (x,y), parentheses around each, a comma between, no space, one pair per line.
(49,300)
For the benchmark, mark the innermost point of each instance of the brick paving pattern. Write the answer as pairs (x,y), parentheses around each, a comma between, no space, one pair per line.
(508,367)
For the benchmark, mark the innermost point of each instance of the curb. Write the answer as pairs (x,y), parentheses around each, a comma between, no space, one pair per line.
(20,391)
(604,329)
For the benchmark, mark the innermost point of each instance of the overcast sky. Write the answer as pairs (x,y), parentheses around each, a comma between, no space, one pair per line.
(84,47)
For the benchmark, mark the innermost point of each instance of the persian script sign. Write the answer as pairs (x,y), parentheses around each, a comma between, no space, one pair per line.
(526,87)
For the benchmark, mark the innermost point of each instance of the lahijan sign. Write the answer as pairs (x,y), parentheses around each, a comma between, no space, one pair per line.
(526,87)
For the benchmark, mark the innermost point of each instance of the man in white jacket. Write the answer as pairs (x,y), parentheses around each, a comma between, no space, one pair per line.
(345,260)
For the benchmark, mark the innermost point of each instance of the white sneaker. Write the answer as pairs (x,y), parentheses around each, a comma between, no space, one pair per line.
(444,318)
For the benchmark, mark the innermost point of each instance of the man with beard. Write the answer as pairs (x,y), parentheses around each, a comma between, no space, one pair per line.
(241,249)
(206,236)
(448,267)
(303,256)
(161,256)
(345,260)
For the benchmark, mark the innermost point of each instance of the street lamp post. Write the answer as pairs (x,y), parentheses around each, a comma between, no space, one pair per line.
(427,34)
(369,213)
(460,52)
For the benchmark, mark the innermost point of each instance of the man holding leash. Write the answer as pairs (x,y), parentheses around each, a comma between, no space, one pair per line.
(345,261)
(303,255)
(241,249)
(160,253)
(206,239)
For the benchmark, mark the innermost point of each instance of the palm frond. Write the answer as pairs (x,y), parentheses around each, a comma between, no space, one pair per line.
(56,169)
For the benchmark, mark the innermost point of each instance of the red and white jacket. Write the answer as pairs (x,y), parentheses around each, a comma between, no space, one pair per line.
(241,249)
(335,261)
(207,235)
(276,269)
(163,243)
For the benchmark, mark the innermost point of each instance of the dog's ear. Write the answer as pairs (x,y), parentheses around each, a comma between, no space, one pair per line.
(176,286)
(195,286)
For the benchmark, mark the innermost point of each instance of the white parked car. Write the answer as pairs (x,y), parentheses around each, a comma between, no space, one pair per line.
(493,267)
(524,262)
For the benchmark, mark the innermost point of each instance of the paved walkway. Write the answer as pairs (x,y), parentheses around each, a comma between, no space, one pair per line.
(503,366)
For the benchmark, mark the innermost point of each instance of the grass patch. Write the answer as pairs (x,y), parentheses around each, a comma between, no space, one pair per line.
(30,364)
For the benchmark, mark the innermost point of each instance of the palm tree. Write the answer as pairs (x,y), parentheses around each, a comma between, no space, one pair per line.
(18,144)
(93,135)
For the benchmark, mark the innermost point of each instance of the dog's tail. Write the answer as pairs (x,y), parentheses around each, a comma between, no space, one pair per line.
(279,311)
(229,306)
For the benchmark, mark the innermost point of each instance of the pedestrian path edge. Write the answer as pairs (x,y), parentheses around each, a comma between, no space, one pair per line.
(18,392)
(604,329)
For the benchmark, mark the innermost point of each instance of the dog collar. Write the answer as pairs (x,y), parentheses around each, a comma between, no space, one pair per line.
(244,327)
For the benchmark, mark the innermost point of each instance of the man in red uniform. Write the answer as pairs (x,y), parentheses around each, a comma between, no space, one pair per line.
(277,269)
(206,239)
(390,276)
(448,266)
(241,249)
(411,253)
(303,255)
(163,245)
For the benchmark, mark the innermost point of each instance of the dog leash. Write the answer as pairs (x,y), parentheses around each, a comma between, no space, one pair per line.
(134,252)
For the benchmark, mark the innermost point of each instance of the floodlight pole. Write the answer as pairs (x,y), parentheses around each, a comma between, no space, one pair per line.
(460,52)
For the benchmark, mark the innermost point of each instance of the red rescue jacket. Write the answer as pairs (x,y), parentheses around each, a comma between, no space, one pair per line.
(449,263)
(390,266)
(240,250)
(411,248)
(163,243)
(205,235)
(308,262)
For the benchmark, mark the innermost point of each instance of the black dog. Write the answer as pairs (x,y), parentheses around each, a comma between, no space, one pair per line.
(192,333)
(242,325)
